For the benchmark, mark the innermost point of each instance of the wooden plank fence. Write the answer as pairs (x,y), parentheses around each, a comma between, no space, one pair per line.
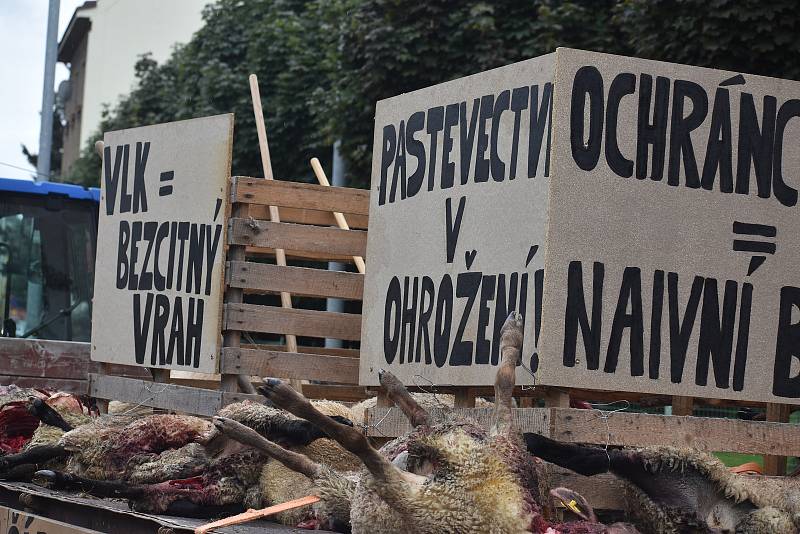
(308,233)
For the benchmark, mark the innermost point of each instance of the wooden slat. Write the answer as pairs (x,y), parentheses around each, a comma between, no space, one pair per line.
(54,360)
(311,391)
(394,423)
(630,429)
(320,239)
(305,216)
(300,195)
(264,277)
(166,396)
(335,392)
(80,387)
(332,351)
(290,365)
(311,323)
(266,252)
(35,358)
(702,433)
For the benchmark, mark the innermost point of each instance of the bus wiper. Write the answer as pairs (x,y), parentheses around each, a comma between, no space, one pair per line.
(65,312)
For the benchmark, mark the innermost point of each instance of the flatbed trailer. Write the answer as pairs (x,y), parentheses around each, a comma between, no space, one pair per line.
(61,512)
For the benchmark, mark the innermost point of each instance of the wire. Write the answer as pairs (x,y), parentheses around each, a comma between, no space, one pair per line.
(24,169)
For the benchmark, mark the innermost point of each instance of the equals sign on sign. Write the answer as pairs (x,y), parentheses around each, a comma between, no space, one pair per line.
(166,176)
(758,247)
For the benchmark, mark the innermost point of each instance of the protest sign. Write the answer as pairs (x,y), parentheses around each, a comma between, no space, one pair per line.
(654,251)
(161,245)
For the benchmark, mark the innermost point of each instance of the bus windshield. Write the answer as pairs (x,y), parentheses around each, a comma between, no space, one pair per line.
(47,251)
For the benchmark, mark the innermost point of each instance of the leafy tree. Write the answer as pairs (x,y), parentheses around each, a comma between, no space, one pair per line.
(323,64)
(747,36)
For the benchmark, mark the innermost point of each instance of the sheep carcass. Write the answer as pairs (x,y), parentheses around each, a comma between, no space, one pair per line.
(172,463)
(22,410)
(447,477)
(681,490)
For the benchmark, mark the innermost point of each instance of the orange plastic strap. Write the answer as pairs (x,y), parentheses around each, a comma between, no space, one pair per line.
(748,468)
(252,515)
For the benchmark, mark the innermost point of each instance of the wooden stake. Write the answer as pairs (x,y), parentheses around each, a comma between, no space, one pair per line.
(776,413)
(252,515)
(274,214)
(340,220)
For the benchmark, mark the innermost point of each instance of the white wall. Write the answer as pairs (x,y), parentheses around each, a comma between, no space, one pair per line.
(121,31)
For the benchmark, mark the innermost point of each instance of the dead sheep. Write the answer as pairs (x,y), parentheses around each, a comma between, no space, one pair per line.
(684,490)
(448,476)
(173,464)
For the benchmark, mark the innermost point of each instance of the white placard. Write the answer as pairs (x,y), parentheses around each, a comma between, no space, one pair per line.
(161,245)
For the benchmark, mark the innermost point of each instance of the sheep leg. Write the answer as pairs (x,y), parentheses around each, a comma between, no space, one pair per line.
(586,461)
(47,415)
(399,395)
(98,488)
(349,438)
(19,473)
(246,435)
(34,455)
(511,337)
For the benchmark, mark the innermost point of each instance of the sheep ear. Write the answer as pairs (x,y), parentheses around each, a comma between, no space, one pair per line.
(398,394)
(47,415)
(575,503)
(511,337)
(246,435)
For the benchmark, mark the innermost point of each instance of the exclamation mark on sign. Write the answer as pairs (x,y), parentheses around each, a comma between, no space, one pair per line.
(166,176)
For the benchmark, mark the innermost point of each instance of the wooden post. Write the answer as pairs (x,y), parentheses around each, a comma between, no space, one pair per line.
(776,413)
(464,398)
(556,398)
(682,405)
(233,295)
(340,220)
(274,214)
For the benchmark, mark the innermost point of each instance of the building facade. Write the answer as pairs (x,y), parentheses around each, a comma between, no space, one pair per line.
(101,45)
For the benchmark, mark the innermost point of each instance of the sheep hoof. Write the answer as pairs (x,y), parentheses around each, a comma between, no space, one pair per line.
(341,420)
(281,394)
(46,474)
(48,479)
(388,380)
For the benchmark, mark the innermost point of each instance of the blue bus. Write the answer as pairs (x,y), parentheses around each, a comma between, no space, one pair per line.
(48,236)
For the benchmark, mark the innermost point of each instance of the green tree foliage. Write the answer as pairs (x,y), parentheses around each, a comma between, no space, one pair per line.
(323,64)
(749,36)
